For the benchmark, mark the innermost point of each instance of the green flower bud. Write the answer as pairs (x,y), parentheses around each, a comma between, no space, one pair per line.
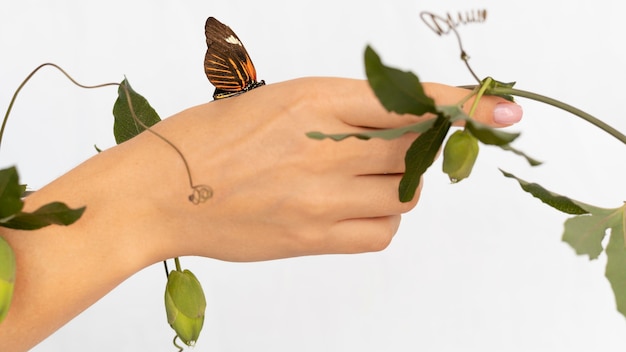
(7,277)
(185,304)
(459,155)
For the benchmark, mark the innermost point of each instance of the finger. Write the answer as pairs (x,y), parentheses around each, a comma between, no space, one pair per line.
(357,105)
(491,110)
(361,235)
(353,102)
(364,157)
(357,197)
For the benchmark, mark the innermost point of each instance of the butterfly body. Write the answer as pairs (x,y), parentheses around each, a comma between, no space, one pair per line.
(227,64)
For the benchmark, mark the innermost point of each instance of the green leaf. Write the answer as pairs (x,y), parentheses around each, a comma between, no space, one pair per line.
(453,112)
(10,193)
(554,200)
(584,233)
(420,157)
(489,135)
(398,91)
(616,261)
(531,161)
(459,155)
(387,134)
(53,213)
(125,126)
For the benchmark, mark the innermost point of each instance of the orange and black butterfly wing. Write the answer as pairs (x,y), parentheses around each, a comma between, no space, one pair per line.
(227,64)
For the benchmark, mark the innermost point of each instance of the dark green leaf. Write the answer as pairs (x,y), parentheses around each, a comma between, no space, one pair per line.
(420,156)
(554,200)
(10,193)
(453,112)
(489,135)
(388,134)
(52,213)
(125,126)
(616,261)
(531,161)
(397,90)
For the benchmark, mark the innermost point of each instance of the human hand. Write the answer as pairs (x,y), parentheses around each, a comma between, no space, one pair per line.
(280,194)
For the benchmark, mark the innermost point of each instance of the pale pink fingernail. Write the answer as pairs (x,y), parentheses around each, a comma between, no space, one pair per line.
(507,113)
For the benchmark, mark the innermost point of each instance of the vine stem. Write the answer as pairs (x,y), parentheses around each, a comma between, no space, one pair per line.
(200,193)
(17,91)
(558,104)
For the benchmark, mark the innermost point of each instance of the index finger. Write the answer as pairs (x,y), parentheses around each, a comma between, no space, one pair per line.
(356,104)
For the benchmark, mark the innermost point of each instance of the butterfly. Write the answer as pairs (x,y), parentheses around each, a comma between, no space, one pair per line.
(227,64)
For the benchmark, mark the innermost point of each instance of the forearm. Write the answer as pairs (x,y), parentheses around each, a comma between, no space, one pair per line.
(63,270)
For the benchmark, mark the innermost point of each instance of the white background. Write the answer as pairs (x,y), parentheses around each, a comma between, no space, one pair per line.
(477,266)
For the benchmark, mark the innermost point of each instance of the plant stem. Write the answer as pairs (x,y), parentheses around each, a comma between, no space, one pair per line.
(483,87)
(177,262)
(558,104)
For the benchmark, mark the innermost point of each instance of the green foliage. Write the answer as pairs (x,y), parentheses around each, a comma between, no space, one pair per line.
(493,87)
(10,194)
(401,92)
(420,156)
(586,231)
(126,126)
(616,260)
(7,277)
(388,134)
(489,135)
(12,216)
(531,161)
(397,90)
(185,305)
(554,200)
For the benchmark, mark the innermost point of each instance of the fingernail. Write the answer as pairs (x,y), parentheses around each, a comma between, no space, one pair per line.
(507,113)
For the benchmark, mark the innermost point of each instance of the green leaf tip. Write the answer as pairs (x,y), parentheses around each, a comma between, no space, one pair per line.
(11,204)
(420,156)
(388,134)
(55,213)
(489,135)
(554,200)
(126,126)
(397,90)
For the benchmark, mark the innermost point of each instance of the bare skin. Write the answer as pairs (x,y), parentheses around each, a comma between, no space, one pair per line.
(278,194)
